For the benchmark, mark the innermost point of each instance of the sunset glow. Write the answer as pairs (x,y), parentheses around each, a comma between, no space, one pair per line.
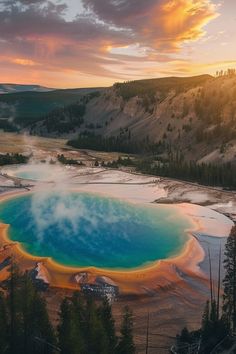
(98,42)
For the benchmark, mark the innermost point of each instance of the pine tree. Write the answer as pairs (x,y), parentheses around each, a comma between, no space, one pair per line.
(27,294)
(15,324)
(78,317)
(3,325)
(206,321)
(184,338)
(69,335)
(84,327)
(126,343)
(229,304)
(96,338)
(28,316)
(105,313)
(40,323)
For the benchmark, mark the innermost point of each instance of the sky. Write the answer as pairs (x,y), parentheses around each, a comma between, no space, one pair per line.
(93,43)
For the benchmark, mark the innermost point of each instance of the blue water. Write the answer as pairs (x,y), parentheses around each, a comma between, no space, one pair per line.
(37,173)
(80,229)
(32,175)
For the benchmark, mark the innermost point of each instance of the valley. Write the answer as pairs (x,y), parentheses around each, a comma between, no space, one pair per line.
(194,116)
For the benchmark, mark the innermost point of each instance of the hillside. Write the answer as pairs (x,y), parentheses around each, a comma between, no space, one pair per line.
(13,88)
(195,116)
(21,109)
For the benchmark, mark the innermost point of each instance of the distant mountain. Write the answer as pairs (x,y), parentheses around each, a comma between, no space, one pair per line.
(13,88)
(25,108)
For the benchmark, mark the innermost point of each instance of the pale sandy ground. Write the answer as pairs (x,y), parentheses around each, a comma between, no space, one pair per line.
(43,148)
(176,295)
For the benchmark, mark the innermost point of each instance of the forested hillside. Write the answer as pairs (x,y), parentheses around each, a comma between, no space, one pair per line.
(195,116)
(21,109)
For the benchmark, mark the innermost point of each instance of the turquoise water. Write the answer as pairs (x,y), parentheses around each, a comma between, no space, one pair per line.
(80,229)
(41,172)
(33,175)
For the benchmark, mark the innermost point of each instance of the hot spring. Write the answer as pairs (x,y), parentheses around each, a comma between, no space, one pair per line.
(81,229)
(38,172)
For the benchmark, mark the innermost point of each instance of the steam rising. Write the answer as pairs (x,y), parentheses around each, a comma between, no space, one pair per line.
(86,229)
(66,211)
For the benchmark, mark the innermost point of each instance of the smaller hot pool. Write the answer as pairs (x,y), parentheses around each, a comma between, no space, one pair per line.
(38,172)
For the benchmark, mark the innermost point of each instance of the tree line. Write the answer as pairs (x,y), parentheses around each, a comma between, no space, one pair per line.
(65,161)
(84,327)
(206,174)
(91,141)
(151,160)
(12,159)
(152,88)
(122,143)
(228,72)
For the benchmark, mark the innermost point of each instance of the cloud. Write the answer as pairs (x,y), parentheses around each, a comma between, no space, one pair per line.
(24,62)
(33,31)
(158,24)
(41,34)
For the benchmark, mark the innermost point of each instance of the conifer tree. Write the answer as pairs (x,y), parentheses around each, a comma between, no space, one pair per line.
(78,319)
(126,343)
(26,298)
(40,323)
(15,325)
(97,341)
(206,320)
(28,316)
(70,340)
(105,312)
(84,327)
(229,304)
(3,325)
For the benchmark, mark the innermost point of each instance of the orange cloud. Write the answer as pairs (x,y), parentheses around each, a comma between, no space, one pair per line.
(24,62)
(185,19)
(40,39)
(176,22)
(158,24)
